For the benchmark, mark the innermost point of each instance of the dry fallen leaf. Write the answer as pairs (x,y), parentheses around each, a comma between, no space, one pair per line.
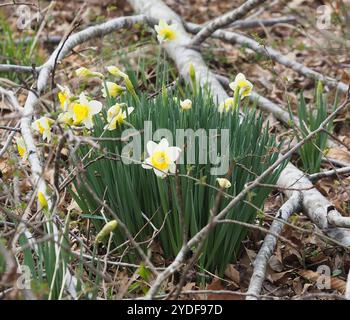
(312,276)
(217,286)
(339,154)
(233,274)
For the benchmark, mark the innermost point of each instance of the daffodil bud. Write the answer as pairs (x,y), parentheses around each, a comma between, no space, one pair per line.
(186,104)
(106,230)
(223,183)
(192,73)
(115,71)
(113,89)
(43,205)
(85,72)
(164,94)
(319,93)
(130,88)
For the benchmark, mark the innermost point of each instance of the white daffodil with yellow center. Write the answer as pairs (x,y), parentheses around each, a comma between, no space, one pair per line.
(161,158)
(87,73)
(165,31)
(223,183)
(43,126)
(227,105)
(21,148)
(241,85)
(116,115)
(82,112)
(65,97)
(186,104)
(113,89)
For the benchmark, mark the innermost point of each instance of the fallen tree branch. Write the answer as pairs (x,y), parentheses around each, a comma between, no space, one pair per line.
(17,68)
(225,20)
(235,38)
(327,174)
(269,244)
(256,23)
(315,205)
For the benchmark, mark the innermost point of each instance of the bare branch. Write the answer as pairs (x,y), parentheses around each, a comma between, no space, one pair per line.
(271,53)
(330,173)
(225,20)
(256,23)
(267,249)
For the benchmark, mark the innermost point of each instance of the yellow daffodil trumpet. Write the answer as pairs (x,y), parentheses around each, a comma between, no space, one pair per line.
(161,158)
(82,112)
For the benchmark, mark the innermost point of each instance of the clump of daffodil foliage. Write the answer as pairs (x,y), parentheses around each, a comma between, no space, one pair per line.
(150,194)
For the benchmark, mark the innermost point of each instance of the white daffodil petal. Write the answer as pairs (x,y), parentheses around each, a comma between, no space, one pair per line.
(95,107)
(147,164)
(83,99)
(173,153)
(88,123)
(130,110)
(159,173)
(163,145)
(151,147)
(240,77)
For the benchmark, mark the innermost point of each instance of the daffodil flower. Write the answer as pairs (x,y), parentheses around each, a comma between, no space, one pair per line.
(43,126)
(223,183)
(83,111)
(241,84)
(227,105)
(161,158)
(113,89)
(22,149)
(42,201)
(116,116)
(85,72)
(64,96)
(165,31)
(186,104)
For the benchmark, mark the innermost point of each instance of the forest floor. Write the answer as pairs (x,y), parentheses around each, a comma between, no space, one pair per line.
(291,272)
